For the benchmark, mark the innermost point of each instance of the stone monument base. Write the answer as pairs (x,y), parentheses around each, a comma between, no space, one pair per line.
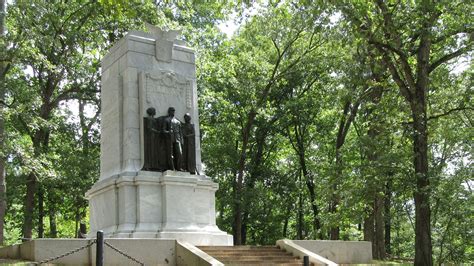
(167,205)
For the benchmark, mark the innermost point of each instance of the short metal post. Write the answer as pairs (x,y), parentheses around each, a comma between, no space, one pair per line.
(305,261)
(99,256)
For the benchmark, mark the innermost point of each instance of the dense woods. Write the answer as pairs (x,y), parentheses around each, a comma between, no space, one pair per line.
(351,120)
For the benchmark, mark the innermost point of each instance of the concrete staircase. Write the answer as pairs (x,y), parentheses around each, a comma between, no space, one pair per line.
(251,255)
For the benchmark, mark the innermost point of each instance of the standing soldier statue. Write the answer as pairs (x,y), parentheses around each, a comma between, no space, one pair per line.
(151,141)
(173,141)
(189,147)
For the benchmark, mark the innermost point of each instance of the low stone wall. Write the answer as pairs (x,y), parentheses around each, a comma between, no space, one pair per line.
(148,251)
(152,251)
(338,251)
(10,252)
(296,250)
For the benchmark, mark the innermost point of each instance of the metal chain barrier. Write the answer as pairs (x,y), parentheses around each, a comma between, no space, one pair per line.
(67,253)
(123,253)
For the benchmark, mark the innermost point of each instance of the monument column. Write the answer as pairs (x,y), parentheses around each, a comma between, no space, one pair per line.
(142,71)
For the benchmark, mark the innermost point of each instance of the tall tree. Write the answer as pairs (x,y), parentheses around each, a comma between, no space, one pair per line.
(302,139)
(256,62)
(61,57)
(279,53)
(374,144)
(3,70)
(414,39)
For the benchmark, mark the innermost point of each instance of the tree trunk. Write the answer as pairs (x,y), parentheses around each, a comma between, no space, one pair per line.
(40,210)
(309,180)
(53,231)
(334,230)
(240,177)
(349,114)
(257,160)
(3,70)
(374,225)
(423,248)
(29,206)
(369,226)
(237,216)
(387,215)
(314,207)
(374,186)
(299,230)
(423,252)
(76,229)
(40,144)
(243,233)
(238,212)
(287,219)
(379,227)
(299,145)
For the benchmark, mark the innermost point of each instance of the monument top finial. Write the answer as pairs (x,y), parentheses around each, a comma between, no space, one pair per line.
(169,35)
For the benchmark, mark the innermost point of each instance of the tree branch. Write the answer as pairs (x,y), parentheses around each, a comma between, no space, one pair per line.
(448,57)
(276,47)
(386,46)
(396,77)
(350,119)
(66,95)
(25,126)
(450,111)
(454,32)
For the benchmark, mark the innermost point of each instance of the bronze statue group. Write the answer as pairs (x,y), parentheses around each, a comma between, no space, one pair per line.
(169,143)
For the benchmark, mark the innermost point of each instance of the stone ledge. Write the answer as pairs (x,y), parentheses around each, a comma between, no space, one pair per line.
(102,186)
(150,178)
(300,252)
(338,251)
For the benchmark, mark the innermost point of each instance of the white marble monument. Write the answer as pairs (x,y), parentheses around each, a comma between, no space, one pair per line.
(147,70)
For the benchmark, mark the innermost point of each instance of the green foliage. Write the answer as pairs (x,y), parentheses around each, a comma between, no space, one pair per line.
(296,65)
(52,95)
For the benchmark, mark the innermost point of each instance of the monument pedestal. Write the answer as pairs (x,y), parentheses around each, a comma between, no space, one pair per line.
(168,205)
(140,72)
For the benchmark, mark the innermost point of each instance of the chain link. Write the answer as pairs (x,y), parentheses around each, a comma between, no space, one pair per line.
(123,253)
(94,241)
(67,253)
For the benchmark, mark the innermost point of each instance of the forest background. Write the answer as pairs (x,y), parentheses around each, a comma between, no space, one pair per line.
(342,119)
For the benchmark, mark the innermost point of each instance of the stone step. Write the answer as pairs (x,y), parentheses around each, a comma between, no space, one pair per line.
(251,255)
(245,258)
(265,264)
(244,250)
(260,253)
(260,262)
(238,248)
(237,256)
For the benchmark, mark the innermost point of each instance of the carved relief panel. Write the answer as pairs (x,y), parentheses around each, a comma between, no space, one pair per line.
(161,90)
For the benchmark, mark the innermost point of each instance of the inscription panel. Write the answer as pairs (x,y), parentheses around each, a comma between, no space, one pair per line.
(165,89)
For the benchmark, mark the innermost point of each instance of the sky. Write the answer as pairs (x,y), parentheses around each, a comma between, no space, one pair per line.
(230,26)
